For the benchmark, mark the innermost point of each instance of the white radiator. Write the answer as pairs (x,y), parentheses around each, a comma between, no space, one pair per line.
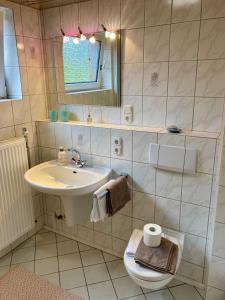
(16,208)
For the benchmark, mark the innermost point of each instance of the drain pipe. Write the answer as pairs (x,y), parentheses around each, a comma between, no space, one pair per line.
(25,135)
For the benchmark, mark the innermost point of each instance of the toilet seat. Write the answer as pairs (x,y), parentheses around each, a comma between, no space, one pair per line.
(149,278)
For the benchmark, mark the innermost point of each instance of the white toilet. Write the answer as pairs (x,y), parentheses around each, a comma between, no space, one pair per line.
(151,279)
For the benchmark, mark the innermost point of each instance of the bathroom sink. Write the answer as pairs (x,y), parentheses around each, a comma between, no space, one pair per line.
(74,185)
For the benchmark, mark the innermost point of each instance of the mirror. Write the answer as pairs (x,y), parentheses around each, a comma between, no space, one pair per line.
(88,69)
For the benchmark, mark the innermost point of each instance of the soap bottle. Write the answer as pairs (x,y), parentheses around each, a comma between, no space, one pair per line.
(62,156)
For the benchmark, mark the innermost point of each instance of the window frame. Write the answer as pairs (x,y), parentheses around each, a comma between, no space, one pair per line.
(94,85)
(2,65)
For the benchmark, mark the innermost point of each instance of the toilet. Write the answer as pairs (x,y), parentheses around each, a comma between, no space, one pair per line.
(148,278)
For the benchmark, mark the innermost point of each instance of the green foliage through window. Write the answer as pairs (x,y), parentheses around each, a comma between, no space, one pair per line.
(81,61)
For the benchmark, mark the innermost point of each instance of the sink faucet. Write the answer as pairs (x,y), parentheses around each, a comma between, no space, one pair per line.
(76,159)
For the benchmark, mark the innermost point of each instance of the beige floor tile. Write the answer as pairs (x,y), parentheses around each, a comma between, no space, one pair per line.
(23,255)
(45,238)
(96,273)
(5,260)
(125,287)
(80,291)
(185,292)
(44,251)
(116,269)
(46,266)
(69,261)
(67,247)
(91,257)
(103,291)
(160,295)
(53,278)
(72,278)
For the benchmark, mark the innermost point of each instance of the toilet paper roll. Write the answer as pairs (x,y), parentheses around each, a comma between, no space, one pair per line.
(152,235)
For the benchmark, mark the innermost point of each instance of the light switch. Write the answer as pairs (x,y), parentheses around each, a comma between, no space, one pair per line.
(128,113)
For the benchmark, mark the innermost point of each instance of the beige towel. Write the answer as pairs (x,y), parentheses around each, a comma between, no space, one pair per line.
(118,195)
(20,284)
(162,259)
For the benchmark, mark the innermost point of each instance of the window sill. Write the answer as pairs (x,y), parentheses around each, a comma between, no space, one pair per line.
(88,91)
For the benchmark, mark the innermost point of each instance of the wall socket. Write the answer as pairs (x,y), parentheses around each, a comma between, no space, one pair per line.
(117,145)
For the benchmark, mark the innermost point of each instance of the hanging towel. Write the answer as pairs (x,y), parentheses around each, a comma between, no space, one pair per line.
(162,259)
(118,195)
(134,242)
(99,212)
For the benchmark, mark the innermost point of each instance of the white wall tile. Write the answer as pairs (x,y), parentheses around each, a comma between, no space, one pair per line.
(219,242)
(197,189)
(217,272)
(132,13)
(168,184)
(143,178)
(31,22)
(156,43)
(88,16)
(194,219)
(210,76)
(182,78)
(212,39)
(194,249)
(167,212)
(154,111)
(157,12)
(213,9)
(206,151)
(63,135)
(119,166)
(109,14)
(132,45)
(46,134)
(141,145)
(6,114)
(81,138)
(186,10)
(155,79)
(220,213)
(208,114)
(180,112)
(100,141)
(184,41)
(70,19)
(121,227)
(143,206)
(132,76)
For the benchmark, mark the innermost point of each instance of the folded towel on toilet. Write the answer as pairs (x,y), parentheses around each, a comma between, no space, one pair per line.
(162,259)
(99,211)
(118,195)
(134,242)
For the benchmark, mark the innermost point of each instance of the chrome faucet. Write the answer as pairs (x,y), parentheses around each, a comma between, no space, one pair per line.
(76,159)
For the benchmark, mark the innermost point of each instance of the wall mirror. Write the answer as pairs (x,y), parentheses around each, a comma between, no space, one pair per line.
(88,69)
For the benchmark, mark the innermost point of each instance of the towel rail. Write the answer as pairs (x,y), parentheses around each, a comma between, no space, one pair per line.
(104,193)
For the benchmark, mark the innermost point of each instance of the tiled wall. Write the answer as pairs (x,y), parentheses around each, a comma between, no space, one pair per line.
(173,200)
(182,41)
(216,278)
(14,115)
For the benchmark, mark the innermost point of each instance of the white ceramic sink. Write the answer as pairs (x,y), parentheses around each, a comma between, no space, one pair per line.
(75,186)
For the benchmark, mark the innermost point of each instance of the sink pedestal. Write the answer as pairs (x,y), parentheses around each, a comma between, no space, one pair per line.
(77,208)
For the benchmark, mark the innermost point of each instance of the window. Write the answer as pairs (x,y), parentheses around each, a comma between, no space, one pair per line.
(81,65)
(10,83)
(2,75)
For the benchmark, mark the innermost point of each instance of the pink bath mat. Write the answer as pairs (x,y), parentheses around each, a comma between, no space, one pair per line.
(20,284)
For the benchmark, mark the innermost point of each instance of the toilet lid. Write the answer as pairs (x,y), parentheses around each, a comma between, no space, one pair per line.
(144,273)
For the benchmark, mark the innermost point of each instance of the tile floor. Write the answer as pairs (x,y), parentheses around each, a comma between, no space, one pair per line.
(86,271)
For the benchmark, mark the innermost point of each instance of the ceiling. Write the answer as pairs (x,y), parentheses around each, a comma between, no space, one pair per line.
(42,4)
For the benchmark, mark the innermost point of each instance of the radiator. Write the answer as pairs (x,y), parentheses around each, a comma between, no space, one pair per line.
(16,208)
